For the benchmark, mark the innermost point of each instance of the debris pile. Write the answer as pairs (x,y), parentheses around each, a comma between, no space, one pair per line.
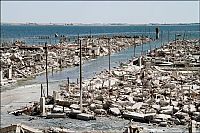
(162,88)
(20,61)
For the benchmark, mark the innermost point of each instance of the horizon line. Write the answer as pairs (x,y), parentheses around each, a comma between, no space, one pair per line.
(95,23)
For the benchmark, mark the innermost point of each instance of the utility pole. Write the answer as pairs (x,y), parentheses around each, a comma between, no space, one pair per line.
(150,46)
(161,41)
(134,45)
(46,53)
(41,90)
(168,36)
(109,58)
(68,84)
(142,44)
(90,34)
(50,39)
(184,35)
(81,100)
(175,39)
(157,33)
(149,36)
(109,65)
(189,110)
(46,59)
(176,35)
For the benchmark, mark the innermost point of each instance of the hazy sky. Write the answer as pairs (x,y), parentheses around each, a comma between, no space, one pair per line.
(100,12)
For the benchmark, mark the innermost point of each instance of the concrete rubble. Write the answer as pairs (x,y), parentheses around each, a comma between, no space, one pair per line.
(18,128)
(21,61)
(21,128)
(161,88)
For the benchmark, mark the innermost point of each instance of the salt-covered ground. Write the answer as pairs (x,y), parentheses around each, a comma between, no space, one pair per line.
(24,95)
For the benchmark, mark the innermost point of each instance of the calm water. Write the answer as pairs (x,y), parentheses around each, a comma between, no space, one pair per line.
(30,33)
(96,66)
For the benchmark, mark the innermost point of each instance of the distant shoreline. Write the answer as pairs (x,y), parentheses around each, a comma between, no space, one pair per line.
(92,24)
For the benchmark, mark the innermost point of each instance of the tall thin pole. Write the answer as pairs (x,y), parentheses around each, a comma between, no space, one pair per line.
(168,36)
(90,33)
(175,39)
(68,81)
(161,41)
(61,56)
(150,46)
(79,41)
(149,33)
(109,65)
(142,44)
(50,39)
(41,90)
(134,46)
(189,110)
(46,53)
(109,58)
(149,36)
(184,36)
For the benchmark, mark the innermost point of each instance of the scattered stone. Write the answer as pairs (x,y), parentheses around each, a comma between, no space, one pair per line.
(115,111)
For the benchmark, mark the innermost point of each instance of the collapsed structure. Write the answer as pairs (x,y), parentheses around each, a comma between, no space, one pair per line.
(161,88)
(20,61)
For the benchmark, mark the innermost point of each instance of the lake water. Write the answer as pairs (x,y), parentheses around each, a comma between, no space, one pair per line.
(30,33)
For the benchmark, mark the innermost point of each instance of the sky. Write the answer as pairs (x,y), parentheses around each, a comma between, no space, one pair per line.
(131,12)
